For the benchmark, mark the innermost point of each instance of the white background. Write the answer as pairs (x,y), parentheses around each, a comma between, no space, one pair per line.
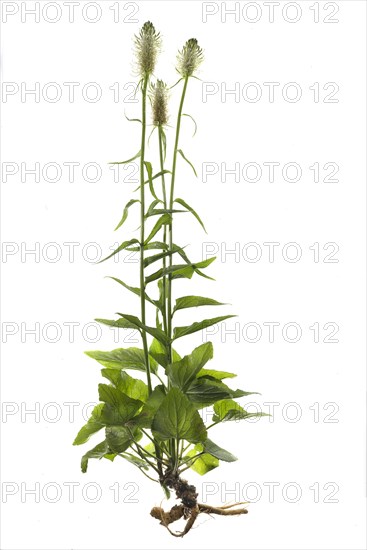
(315,450)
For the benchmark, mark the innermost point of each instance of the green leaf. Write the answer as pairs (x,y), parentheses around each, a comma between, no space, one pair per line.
(190,209)
(153,178)
(192,118)
(177,418)
(178,271)
(187,160)
(183,372)
(138,462)
(155,245)
(134,290)
(184,257)
(128,160)
(163,136)
(133,119)
(159,353)
(149,169)
(154,401)
(117,323)
(163,220)
(159,211)
(94,424)
(204,392)
(204,463)
(201,325)
(227,410)
(132,387)
(156,332)
(119,408)
(215,374)
(126,212)
(99,451)
(195,301)
(152,206)
(120,358)
(122,246)
(151,259)
(218,452)
(119,438)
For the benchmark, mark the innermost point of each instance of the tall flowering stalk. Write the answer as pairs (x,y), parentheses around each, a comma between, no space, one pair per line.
(147,45)
(158,428)
(159,104)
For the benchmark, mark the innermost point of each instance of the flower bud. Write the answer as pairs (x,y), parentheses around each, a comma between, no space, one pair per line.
(189,58)
(147,46)
(158,96)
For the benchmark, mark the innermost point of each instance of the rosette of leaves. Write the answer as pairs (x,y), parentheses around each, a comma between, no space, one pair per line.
(156,425)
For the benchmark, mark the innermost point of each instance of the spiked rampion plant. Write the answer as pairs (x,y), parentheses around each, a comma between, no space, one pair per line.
(157,425)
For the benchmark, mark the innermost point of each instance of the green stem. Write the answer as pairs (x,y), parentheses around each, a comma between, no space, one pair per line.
(170,227)
(142,227)
(170,233)
(160,379)
(142,239)
(145,458)
(146,475)
(192,461)
(145,452)
(185,448)
(164,290)
(211,425)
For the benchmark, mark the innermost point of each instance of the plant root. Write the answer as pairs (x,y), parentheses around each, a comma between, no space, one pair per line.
(190,508)
(191,514)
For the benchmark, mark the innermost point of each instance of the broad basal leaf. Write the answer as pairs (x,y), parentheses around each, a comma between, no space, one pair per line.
(177,418)
(230,410)
(204,463)
(120,358)
(132,387)
(218,452)
(145,417)
(212,374)
(203,393)
(183,372)
(138,462)
(94,424)
(159,353)
(119,438)
(99,451)
(119,408)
